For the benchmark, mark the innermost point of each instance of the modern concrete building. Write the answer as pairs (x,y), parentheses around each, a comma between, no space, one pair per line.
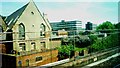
(89,26)
(94,26)
(72,27)
(28,41)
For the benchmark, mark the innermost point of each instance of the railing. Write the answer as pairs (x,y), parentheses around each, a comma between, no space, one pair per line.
(27,52)
(23,53)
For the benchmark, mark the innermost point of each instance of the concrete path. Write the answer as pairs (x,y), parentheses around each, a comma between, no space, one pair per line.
(101,61)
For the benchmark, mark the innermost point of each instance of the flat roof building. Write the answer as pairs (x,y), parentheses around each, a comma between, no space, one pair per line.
(72,27)
(89,26)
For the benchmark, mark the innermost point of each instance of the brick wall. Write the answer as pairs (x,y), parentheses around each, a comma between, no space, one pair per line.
(47,57)
(2,48)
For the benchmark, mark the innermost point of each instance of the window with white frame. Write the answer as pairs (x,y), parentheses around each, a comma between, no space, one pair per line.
(33,46)
(43,46)
(22,46)
(42,30)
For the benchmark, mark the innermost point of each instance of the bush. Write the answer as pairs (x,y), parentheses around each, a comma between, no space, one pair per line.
(93,38)
(66,51)
(106,42)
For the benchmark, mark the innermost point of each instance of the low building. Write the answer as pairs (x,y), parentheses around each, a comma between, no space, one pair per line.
(62,33)
(94,26)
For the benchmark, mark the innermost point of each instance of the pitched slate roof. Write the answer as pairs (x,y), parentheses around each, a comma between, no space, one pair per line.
(11,20)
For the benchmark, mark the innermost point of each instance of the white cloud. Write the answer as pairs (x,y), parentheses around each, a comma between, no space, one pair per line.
(86,11)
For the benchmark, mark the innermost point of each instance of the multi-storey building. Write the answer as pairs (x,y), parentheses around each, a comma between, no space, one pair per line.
(72,27)
(27,41)
(89,26)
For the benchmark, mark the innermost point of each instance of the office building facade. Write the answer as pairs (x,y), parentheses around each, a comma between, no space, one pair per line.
(89,26)
(73,27)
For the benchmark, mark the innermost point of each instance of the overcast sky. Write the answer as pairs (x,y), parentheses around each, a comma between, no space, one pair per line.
(57,10)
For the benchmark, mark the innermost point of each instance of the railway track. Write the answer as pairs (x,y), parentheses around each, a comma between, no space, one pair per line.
(117,66)
(96,64)
(69,62)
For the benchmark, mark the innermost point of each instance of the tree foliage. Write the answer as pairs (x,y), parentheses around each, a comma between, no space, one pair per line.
(117,26)
(93,38)
(66,51)
(106,42)
(80,41)
(106,25)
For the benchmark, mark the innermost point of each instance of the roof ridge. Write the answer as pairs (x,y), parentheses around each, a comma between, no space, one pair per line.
(42,15)
(12,18)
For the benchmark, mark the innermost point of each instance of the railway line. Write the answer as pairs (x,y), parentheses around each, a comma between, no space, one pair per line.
(103,60)
(69,62)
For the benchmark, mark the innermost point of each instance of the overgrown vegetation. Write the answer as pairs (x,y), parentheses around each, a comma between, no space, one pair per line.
(66,51)
(105,42)
(90,42)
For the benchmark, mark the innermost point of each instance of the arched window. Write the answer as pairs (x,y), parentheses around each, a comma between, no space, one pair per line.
(21,31)
(20,63)
(33,46)
(42,31)
(22,46)
(27,62)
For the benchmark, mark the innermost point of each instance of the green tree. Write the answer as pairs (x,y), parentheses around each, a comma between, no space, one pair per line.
(80,41)
(66,51)
(81,33)
(93,38)
(107,42)
(103,28)
(106,25)
(117,26)
(65,41)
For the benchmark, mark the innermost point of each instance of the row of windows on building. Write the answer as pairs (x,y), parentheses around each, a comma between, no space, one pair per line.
(67,26)
(28,61)
(22,46)
(22,31)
